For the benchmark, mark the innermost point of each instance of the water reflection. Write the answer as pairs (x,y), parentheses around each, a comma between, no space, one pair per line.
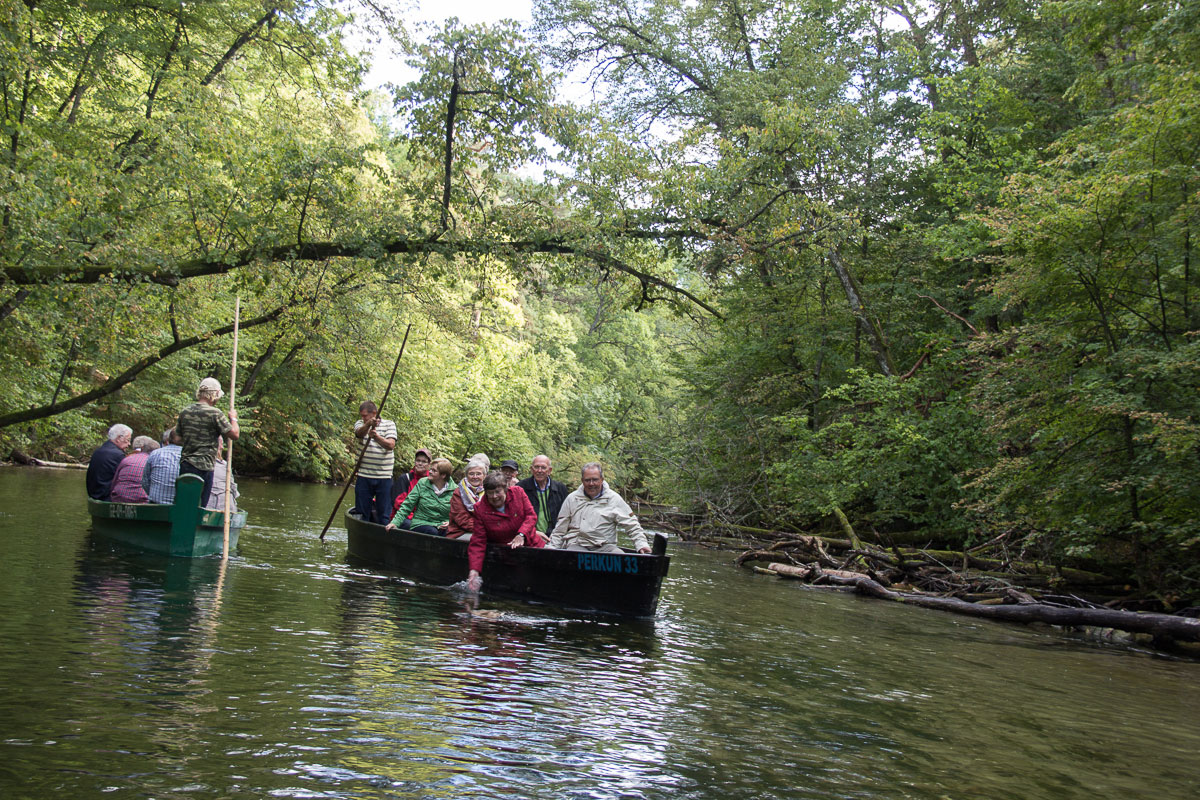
(469,699)
(148,635)
(295,674)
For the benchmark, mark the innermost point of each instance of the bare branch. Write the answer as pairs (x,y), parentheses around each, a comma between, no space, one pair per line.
(321,251)
(951,313)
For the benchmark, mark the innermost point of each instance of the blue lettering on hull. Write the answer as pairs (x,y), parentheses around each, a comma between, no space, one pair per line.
(605,562)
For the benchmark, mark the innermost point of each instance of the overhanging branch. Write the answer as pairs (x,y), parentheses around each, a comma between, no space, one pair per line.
(113,384)
(322,251)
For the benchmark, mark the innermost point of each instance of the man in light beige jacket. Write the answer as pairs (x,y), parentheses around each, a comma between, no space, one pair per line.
(591,516)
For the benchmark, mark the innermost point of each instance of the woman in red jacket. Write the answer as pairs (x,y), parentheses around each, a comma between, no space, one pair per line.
(505,516)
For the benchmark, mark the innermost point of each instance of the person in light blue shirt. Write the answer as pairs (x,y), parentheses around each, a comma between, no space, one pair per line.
(162,468)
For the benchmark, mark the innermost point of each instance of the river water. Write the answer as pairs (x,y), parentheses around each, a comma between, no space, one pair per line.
(292,674)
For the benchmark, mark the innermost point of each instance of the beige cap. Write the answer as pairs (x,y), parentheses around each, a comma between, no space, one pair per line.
(211,385)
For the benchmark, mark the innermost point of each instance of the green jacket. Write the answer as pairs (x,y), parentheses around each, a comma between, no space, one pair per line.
(426,505)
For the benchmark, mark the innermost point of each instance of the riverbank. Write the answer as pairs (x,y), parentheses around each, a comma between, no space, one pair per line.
(989,581)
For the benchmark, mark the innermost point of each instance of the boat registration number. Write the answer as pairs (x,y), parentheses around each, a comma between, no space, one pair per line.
(604,562)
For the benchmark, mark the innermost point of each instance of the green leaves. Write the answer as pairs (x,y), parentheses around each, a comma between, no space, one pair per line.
(481,98)
(947,254)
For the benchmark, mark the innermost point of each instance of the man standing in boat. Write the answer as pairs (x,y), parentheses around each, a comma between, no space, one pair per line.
(546,494)
(373,489)
(200,427)
(591,516)
(103,464)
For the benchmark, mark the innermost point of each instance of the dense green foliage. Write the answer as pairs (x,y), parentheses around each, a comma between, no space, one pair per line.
(929,263)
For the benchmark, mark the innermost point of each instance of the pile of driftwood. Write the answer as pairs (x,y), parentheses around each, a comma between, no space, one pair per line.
(963,582)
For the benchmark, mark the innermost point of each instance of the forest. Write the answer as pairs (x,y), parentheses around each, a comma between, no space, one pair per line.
(920,265)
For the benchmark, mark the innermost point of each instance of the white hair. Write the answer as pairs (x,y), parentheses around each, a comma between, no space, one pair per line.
(591,465)
(145,443)
(119,430)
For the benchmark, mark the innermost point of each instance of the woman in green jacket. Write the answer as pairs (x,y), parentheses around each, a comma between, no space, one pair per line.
(428,502)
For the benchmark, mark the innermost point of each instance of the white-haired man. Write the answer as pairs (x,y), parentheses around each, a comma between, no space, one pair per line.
(104,461)
(591,516)
(546,494)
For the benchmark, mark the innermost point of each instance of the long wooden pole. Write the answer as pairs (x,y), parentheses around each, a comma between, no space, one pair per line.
(378,415)
(237,317)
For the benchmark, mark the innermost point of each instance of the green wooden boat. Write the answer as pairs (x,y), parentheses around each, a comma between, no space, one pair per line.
(182,529)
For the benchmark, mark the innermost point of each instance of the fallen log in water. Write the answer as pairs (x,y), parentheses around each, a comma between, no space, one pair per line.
(809,548)
(1165,626)
(29,461)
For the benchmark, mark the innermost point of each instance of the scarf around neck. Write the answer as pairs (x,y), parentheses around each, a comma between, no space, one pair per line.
(469,496)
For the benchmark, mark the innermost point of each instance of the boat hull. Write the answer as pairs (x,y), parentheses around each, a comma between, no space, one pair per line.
(627,584)
(182,529)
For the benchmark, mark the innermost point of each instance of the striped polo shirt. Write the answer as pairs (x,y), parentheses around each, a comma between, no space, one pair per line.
(378,462)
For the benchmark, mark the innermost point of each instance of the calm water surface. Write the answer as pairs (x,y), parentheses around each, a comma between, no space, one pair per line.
(294,674)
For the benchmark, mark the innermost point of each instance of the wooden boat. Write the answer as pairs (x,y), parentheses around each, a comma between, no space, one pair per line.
(181,529)
(627,584)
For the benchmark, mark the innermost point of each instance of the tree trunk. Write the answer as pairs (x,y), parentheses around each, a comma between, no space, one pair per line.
(11,304)
(857,307)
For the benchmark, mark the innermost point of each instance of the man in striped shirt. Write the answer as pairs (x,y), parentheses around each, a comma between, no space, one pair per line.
(373,489)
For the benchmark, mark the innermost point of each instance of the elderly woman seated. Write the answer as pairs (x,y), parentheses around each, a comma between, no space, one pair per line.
(469,492)
(127,480)
(428,502)
(505,516)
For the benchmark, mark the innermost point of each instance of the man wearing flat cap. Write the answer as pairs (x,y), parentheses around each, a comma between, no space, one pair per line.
(512,472)
(200,426)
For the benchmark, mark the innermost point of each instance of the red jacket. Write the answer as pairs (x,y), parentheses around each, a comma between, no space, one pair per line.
(410,478)
(502,527)
(462,522)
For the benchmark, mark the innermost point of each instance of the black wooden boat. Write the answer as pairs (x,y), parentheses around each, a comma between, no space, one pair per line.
(627,584)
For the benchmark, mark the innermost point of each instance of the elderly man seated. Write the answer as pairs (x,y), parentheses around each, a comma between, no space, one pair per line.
(105,460)
(162,469)
(591,516)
